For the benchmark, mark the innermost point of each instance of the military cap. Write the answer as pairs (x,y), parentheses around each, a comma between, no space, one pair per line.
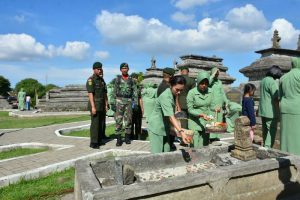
(184,67)
(169,71)
(134,75)
(124,65)
(97,65)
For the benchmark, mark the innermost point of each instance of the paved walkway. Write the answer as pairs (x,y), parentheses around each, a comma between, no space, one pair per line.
(41,164)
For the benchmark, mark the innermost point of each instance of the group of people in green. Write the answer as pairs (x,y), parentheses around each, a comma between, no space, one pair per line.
(202,100)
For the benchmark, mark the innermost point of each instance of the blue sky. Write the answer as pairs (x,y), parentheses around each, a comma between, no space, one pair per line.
(57,41)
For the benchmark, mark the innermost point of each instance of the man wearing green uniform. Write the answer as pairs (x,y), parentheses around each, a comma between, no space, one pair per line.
(269,106)
(199,102)
(137,111)
(165,84)
(289,91)
(97,105)
(124,96)
(190,84)
(168,73)
(21,99)
(219,98)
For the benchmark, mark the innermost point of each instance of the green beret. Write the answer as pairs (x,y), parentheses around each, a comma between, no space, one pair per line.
(134,75)
(169,71)
(184,67)
(124,65)
(97,65)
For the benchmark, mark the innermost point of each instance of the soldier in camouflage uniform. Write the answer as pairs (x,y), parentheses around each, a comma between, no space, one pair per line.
(125,95)
(97,105)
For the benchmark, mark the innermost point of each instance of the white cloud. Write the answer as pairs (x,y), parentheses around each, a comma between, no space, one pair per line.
(23,47)
(184,18)
(187,4)
(101,54)
(154,37)
(75,49)
(247,18)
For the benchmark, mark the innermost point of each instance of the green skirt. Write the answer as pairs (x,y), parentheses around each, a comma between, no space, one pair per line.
(290,133)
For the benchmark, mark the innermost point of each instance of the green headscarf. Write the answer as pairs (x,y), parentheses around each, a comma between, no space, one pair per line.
(201,76)
(295,63)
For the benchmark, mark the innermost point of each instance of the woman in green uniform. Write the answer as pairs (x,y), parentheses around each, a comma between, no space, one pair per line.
(162,117)
(219,98)
(289,91)
(148,96)
(233,112)
(199,102)
(269,105)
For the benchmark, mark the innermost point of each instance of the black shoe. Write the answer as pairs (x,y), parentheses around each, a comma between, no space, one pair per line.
(127,139)
(94,146)
(102,143)
(119,141)
(173,147)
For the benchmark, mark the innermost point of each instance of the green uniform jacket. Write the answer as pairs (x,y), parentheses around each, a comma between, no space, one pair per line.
(96,85)
(219,94)
(199,103)
(268,97)
(148,96)
(190,84)
(159,122)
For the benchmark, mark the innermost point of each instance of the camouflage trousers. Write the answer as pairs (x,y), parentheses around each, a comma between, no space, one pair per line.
(123,113)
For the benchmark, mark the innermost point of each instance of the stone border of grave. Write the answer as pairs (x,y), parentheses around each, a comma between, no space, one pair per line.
(57,167)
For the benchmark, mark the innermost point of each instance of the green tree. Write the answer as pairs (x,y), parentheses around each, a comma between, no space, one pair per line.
(4,86)
(50,87)
(31,87)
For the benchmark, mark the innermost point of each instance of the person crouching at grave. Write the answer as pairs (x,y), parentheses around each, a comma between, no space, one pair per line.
(162,117)
(199,102)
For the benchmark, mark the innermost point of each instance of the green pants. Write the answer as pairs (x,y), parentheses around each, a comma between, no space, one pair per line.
(269,128)
(200,139)
(97,128)
(159,143)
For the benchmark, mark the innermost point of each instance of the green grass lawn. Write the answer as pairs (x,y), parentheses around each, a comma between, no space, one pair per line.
(50,187)
(20,152)
(14,122)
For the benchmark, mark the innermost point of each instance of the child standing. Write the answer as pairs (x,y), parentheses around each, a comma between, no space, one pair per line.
(248,106)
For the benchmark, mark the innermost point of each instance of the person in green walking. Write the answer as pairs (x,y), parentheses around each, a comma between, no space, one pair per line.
(269,105)
(199,101)
(162,117)
(289,91)
(21,99)
(97,105)
(219,99)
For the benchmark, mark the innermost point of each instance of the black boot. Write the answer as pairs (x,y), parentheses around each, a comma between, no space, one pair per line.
(127,138)
(119,141)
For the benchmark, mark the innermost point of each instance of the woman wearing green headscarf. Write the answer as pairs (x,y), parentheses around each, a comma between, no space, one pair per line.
(219,97)
(199,102)
(289,91)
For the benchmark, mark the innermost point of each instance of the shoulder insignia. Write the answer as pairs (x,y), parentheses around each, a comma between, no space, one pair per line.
(90,81)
